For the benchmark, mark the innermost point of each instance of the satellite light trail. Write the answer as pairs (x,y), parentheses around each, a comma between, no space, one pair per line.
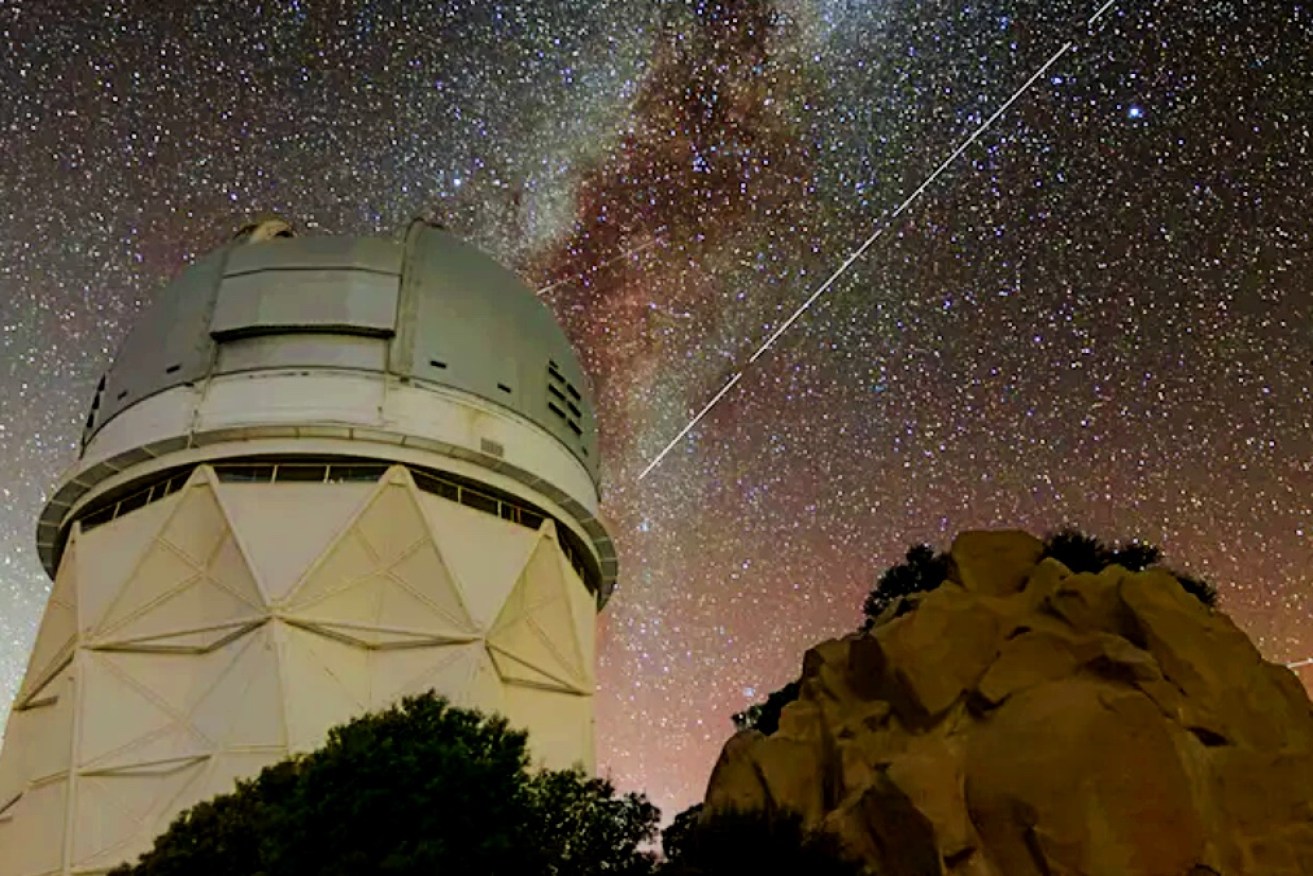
(1307,661)
(657,239)
(882,227)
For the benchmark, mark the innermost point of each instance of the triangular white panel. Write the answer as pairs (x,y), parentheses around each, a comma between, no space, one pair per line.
(199,605)
(118,712)
(13,769)
(385,572)
(583,605)
(484,553)
(423,574)
(262,515)
(325,683)
(518,672)
(536,626)
(194,576)
(347,560)
(119,814)
(109,554)
(57,635)
(40,813)
(39,738)
(227,698)
(244,707)
(448,669)
(175,743)
(561,723)
(197,526)
(486,690)
(179,680)
(161,573)
(392,523)
(228,569)
(191,642)
(373,638)
(223,772)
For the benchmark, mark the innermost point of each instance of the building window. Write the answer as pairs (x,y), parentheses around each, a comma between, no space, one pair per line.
(452,488)
(349,474)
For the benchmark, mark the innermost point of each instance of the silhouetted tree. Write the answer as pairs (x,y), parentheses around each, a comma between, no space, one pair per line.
(766,716)
(584,828)
(1085,553)
(418,789)
(1198,588)
(675,838)
(733,843)
(1135,556)
(1077,551)
(922,571)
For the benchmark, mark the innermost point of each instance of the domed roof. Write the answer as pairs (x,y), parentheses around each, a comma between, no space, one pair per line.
(451,315)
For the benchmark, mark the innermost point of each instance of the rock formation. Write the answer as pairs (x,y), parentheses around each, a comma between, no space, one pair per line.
(1022,720)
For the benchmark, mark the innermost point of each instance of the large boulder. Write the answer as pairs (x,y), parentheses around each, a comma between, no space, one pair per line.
(1021,719)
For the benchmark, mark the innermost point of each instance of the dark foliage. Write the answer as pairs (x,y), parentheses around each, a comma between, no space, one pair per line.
(584,828)
(766,716)
(1085,553)
(1077,551)
(418,789)
(1136,556)
(733,843)
(676,837)
(922,571)
(1198,588)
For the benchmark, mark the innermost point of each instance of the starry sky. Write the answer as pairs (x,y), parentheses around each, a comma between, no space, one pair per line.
(1100,315)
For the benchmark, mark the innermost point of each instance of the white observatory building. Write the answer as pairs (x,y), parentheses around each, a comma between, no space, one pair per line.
(321,474)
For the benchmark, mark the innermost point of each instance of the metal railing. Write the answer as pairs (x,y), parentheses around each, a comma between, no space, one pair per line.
(342,473)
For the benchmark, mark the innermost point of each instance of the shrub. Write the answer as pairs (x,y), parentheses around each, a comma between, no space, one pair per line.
(922,571)
(766,716)
(1198,588)
(732,843)
(1085,553)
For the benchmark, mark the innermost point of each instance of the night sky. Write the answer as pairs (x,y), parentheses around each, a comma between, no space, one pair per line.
(1101,315)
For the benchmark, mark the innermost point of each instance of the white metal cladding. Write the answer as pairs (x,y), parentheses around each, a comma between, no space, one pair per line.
(204,636)
(450,315)
(337,411)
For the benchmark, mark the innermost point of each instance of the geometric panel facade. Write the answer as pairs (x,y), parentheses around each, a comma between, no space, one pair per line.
(203,637)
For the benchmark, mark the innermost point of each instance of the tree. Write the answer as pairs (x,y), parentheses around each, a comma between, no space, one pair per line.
(420,788)
(922,571)
(754,841)
(584,828)
(675,838)
(1085,553)
(1198,588)
(766,716)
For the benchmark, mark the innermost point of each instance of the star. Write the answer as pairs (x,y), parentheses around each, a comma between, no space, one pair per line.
(1125,348)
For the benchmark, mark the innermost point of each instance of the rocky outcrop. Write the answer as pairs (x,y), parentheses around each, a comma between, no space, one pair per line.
(1022,720)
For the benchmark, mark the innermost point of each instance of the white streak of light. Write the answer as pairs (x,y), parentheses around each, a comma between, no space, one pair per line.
(1307,661)
(925,184)
(861,250)
(693,422)
(658,239)
(1102,9)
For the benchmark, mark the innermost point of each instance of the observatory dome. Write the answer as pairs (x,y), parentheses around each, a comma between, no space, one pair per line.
(451,314)
(422,343)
